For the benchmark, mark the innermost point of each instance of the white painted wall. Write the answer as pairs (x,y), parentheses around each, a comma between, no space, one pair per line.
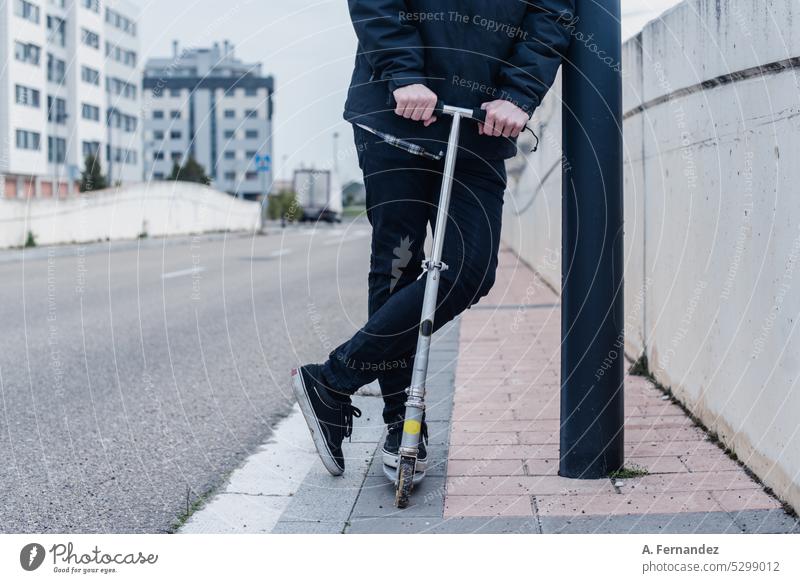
(712,221)
(158,209)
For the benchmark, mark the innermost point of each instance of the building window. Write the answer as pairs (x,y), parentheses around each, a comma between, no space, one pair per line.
(26,10)
(158,176)
(56,150)
(119,87)
(176,156)
(56,28)
(93,5)
(230,114)
(121,55)
(27,96)
(230,176)
(230,155)
(118,120)
(91,149)
(56,110)
(251,176)
(251,154)
(158,155)
(119,21)
(56,69)
(175,135)
(175,114)
(28,140)
(27,53)
(251,134)
(90,112)
(251,92)
(158,114)
(250,113)
(158,135)
(89,75)
(174,92)
(230,134)
(90,39)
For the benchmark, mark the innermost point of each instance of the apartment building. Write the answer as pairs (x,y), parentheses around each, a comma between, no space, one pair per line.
(69,87)
(208,104)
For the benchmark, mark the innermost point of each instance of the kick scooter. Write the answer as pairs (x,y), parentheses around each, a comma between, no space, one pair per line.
(405,475)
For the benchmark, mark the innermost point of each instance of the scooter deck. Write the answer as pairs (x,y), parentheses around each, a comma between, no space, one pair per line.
(391,473)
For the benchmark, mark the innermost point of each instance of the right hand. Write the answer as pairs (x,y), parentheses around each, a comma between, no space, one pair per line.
(416,102)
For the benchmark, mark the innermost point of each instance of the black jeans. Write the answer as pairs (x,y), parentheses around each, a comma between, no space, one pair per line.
(402,192)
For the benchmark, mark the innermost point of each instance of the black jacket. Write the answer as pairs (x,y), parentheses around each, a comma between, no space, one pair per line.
(466,51)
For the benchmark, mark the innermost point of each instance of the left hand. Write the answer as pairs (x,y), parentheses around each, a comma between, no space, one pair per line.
(503,118)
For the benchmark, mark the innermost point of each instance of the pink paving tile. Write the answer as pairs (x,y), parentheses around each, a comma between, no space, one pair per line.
(617,504)
(485,468)
(739,500)
(488,506)
(542,467)
(657,464)
(518,485)
(487,438)
(688,482)
(503,452)
(709,462)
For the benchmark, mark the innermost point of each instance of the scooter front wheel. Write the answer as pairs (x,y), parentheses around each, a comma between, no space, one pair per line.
(405,482)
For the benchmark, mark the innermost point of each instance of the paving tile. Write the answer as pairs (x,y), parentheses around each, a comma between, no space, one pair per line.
(503,452)
(683,523)
(488,506)
(485,468)
(518,485)
(688,482)
(753,499)
(657,464)
(377,499)
(634,503)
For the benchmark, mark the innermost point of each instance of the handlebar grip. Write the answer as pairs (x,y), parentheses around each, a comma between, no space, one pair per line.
(479,114)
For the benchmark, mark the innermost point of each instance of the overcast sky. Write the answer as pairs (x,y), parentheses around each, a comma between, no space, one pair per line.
(308,47)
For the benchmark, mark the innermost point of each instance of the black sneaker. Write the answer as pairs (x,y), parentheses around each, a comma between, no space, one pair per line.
(391,447)
(329,420)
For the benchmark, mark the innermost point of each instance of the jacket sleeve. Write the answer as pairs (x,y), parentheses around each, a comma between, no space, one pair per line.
(392,46)
(527,75)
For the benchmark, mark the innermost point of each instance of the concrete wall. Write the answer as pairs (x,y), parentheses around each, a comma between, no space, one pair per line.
(712,219)
(158,209)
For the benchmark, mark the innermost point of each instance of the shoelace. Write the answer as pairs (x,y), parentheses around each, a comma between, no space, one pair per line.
(349,412)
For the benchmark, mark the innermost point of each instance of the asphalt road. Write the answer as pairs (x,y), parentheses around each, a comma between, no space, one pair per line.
(135,376)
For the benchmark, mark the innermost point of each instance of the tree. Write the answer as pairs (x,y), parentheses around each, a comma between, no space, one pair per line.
(191,171)
(284,205)
(92,176)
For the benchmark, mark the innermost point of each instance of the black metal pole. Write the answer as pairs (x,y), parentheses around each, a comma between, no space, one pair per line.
(592,358)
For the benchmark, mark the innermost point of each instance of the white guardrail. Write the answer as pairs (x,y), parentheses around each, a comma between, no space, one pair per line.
(150,209)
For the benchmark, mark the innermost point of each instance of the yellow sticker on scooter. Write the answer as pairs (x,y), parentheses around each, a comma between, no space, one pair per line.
(412,427)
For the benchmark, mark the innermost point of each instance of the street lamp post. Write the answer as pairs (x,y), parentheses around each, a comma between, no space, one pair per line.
(592,359)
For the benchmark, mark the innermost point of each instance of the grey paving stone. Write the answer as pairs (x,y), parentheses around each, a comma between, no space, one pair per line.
(682,523)
(402,525)
(774,521)
(377,499)
(308,527)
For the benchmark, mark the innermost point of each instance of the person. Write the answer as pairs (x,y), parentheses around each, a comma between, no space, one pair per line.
(502,56)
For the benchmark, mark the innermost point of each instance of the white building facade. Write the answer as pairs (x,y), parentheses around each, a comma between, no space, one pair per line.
(206,104)
(70,87)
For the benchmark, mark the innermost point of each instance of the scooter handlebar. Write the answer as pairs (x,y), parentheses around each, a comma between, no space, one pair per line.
(441,108)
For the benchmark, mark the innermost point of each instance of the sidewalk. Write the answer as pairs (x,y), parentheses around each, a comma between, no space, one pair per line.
(493,421)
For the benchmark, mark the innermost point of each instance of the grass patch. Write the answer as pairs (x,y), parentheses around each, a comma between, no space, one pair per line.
(626,473)
(353,211)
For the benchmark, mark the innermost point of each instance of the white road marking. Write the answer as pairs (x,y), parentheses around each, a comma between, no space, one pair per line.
(280,253)
(182,272)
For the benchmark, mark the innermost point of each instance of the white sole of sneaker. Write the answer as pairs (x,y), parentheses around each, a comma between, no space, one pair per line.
(303,401)
(392,460)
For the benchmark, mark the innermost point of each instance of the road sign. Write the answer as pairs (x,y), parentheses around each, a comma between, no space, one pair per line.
(263,163)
